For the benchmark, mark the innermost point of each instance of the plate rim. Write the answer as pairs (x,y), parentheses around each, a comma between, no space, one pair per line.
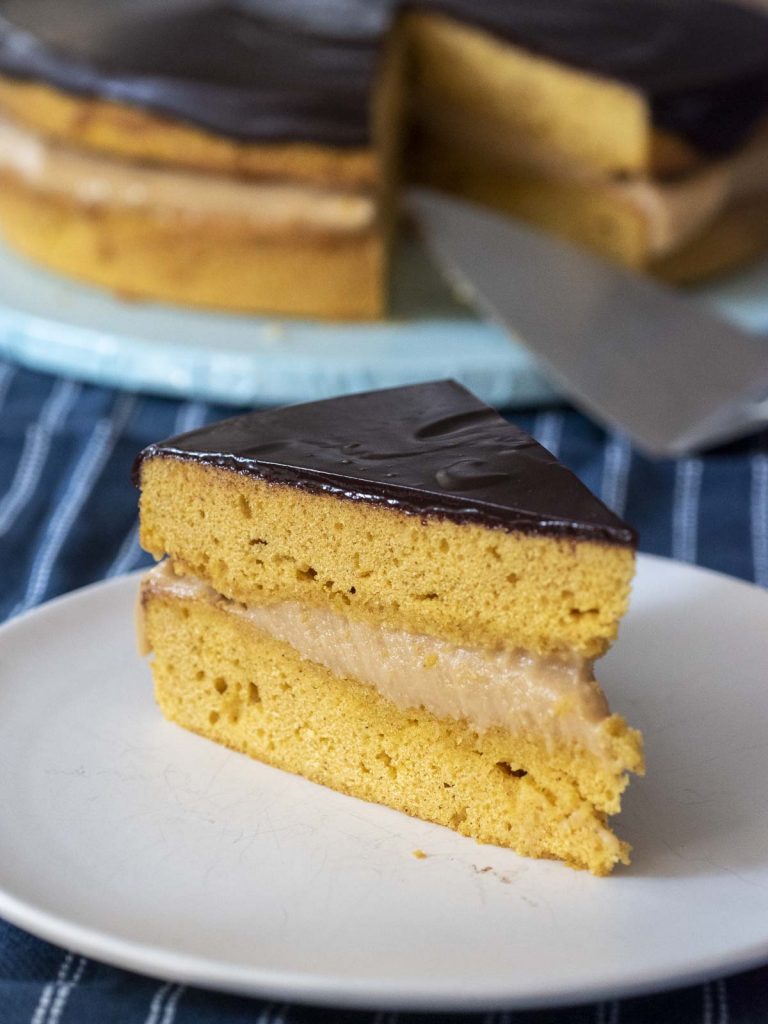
(324,989)
(360,993)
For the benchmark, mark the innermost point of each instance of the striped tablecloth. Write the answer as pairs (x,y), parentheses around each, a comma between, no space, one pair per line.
(68,517)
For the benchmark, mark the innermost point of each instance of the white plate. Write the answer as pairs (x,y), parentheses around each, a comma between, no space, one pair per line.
(126,838)
(48,322)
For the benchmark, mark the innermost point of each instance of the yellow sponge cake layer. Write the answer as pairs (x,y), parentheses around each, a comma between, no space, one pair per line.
(209,261)
(539,103)
(218,676)
(252,540)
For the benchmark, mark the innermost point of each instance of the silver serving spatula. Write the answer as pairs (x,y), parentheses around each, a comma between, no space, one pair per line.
(633,353)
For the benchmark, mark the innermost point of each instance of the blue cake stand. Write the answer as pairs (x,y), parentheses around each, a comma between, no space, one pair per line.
(50,323)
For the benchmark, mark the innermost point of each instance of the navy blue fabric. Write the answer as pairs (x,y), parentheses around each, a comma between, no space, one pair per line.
(68,517)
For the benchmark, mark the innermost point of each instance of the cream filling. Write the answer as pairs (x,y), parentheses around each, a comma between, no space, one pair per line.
(556,699)
(676,212)
(95,179)
(673,211)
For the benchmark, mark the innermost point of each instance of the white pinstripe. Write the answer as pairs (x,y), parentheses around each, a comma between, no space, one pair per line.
(171,1003)
(616,468)
(157,1003)
(46,996)
(7,373)
(614,1012)
(548,430)
(127,554)
(759,517)
(84,476)
(37,444)
(281,1015)
(190,416)
(723,1011)
(65,991)
(265,1017)
(600,1013)
(685,512)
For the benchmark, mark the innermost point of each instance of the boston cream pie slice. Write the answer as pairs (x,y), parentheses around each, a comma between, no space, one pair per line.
(399,595)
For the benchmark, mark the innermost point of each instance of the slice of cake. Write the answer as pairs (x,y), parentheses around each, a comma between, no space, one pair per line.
(214,154)
(400,595)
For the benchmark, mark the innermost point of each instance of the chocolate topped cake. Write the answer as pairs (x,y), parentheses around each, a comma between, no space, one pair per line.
(206,153)
(702,68)
(400,595)
(637,127)
(244,155)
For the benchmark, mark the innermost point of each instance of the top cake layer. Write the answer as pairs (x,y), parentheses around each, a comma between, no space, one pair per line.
(414,508)
(702,66)
(432,450)
(302,70)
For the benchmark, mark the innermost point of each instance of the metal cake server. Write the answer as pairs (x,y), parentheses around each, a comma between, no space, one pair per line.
(631,352)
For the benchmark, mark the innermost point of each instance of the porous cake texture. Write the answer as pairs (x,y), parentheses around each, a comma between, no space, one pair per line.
(399,595)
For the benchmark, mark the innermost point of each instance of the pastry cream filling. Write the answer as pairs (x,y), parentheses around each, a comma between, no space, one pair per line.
(674,211)
(556,699)
(93,179)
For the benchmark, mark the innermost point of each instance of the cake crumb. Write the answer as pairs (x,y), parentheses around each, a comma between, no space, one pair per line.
(273,333)
(420,855)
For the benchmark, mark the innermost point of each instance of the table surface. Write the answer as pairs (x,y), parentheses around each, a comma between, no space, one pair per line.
(68,517)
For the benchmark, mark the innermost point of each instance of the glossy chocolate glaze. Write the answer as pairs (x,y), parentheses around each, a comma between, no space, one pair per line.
(213,64)
(703,64)
(304,69)
(426,449)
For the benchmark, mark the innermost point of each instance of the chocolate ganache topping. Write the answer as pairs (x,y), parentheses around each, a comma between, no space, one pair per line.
(304,69)
(223,66)
(426,449)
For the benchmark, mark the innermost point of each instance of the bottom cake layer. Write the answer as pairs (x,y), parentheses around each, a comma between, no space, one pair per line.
(627,222)
(220,263)
(219,676)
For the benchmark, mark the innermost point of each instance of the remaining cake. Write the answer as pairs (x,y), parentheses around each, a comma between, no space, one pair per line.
(201,152)
(244,154)
(636,127)
(400,595)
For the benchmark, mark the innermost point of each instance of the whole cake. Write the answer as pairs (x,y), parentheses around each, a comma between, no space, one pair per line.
(400,595)
(245,155)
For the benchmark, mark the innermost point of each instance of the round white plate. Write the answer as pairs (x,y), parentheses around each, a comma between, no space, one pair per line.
(48,322)
(127,839)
